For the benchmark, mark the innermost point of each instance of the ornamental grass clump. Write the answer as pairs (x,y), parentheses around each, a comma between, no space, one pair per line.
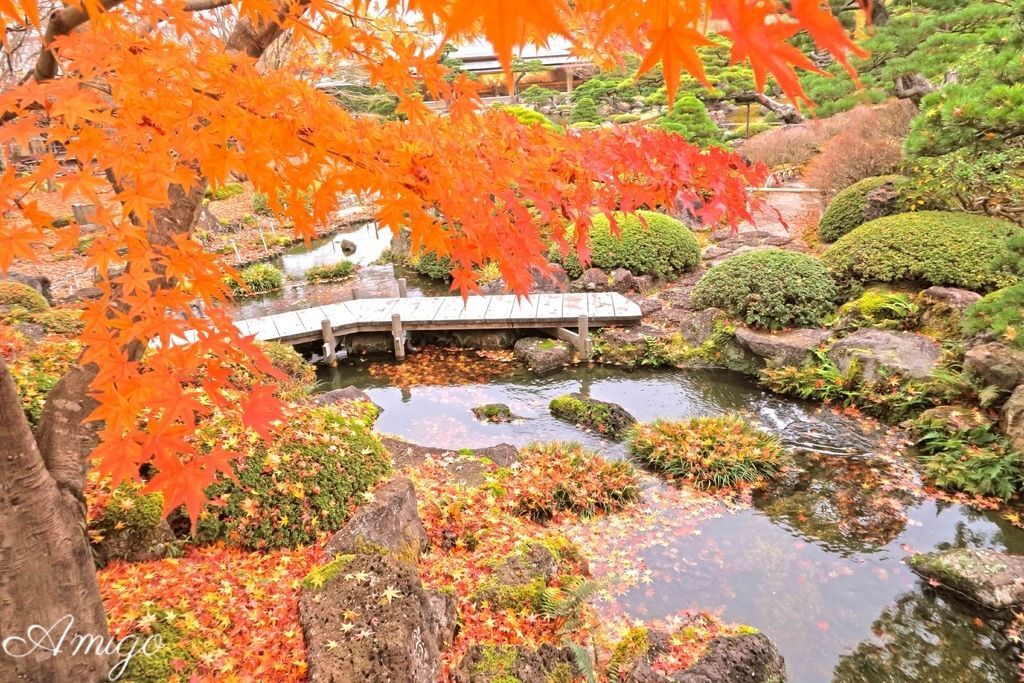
(330,272)
(554,477)
(259,278)
(710,452)
(771,289)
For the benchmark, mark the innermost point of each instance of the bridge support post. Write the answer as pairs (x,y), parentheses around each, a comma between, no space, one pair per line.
(329,343)
(399,335)
(403,289)
(584,346)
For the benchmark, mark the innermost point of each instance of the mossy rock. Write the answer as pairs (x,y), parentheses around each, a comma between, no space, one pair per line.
(484,663)
(494,412)
(992,579)
(853,206)
(603,417)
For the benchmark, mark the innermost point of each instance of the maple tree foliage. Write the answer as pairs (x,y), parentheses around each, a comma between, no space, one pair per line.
(145,97)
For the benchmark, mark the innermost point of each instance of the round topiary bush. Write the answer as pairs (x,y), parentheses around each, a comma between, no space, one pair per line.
(930,247)
(288,491)
(662,247)
(712,452)
(16,297)
(771,289)
(850,208)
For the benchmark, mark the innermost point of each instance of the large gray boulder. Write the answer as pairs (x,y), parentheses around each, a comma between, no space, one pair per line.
(992,579)
(745,658)
(368,618)
(390,523)
(543,355)
(503,663)
(698,326)
(791,348)
(1011,419)
(943,308)
(882,351)
(996,365)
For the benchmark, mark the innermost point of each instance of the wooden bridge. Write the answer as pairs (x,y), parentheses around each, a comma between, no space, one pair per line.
(399,316)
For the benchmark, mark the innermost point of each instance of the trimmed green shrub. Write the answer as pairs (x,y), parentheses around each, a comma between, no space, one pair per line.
(527,116)
(259,278)
(334,271)
(17,298)
(662,247)
(289,361)
(304,483)
(625,118)
(433,266)
(849,208)
(64,322)
(711,452)
(770,289)
(689,118)
(1000,313)
(585,111)
(931,247)
(225,191)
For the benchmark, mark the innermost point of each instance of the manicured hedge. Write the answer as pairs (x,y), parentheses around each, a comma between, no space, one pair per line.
(847,209)
(929,247)
(662,247)
(770,289)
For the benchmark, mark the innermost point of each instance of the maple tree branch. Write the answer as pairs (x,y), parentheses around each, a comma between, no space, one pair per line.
(203,5)
(61,23)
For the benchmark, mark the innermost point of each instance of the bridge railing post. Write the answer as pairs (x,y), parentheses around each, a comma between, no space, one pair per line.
(329,342)
(403,289)
(583,330)
(399,335)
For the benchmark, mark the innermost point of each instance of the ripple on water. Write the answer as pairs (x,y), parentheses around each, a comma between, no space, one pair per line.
(815,561)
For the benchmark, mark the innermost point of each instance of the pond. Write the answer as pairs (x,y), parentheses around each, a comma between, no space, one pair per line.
(369,242)
(816,562)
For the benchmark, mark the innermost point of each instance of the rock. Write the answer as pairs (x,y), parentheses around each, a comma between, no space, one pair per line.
(408,625)
(746,658)
(996,365)
(389,523)
(992,579)
(642,283)
(942,308)
(466,467)
(348,247)
(592,280)
(334,396)
(647,306)
(83,294)
(31,331)
(1011,419)
(494,412)
(40,283)
(698,326)
(622,280)
(882,201)
(501,663)
(535,562)
(603,417)
(134,545)
(783,349)
(626,345)
(556,281)
(882,351)
(543,355)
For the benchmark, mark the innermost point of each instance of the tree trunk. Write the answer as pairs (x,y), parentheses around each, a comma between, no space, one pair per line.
(46,567)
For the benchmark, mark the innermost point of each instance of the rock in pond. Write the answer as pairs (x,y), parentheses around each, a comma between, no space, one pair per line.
(989,578)
(791,348)
(349,393)
(744,658)
(1011,419)
(368,618)
(882,351)
(603,417)
(543,355)
(503,663)
(494,412)
(390,524)
(996,365)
